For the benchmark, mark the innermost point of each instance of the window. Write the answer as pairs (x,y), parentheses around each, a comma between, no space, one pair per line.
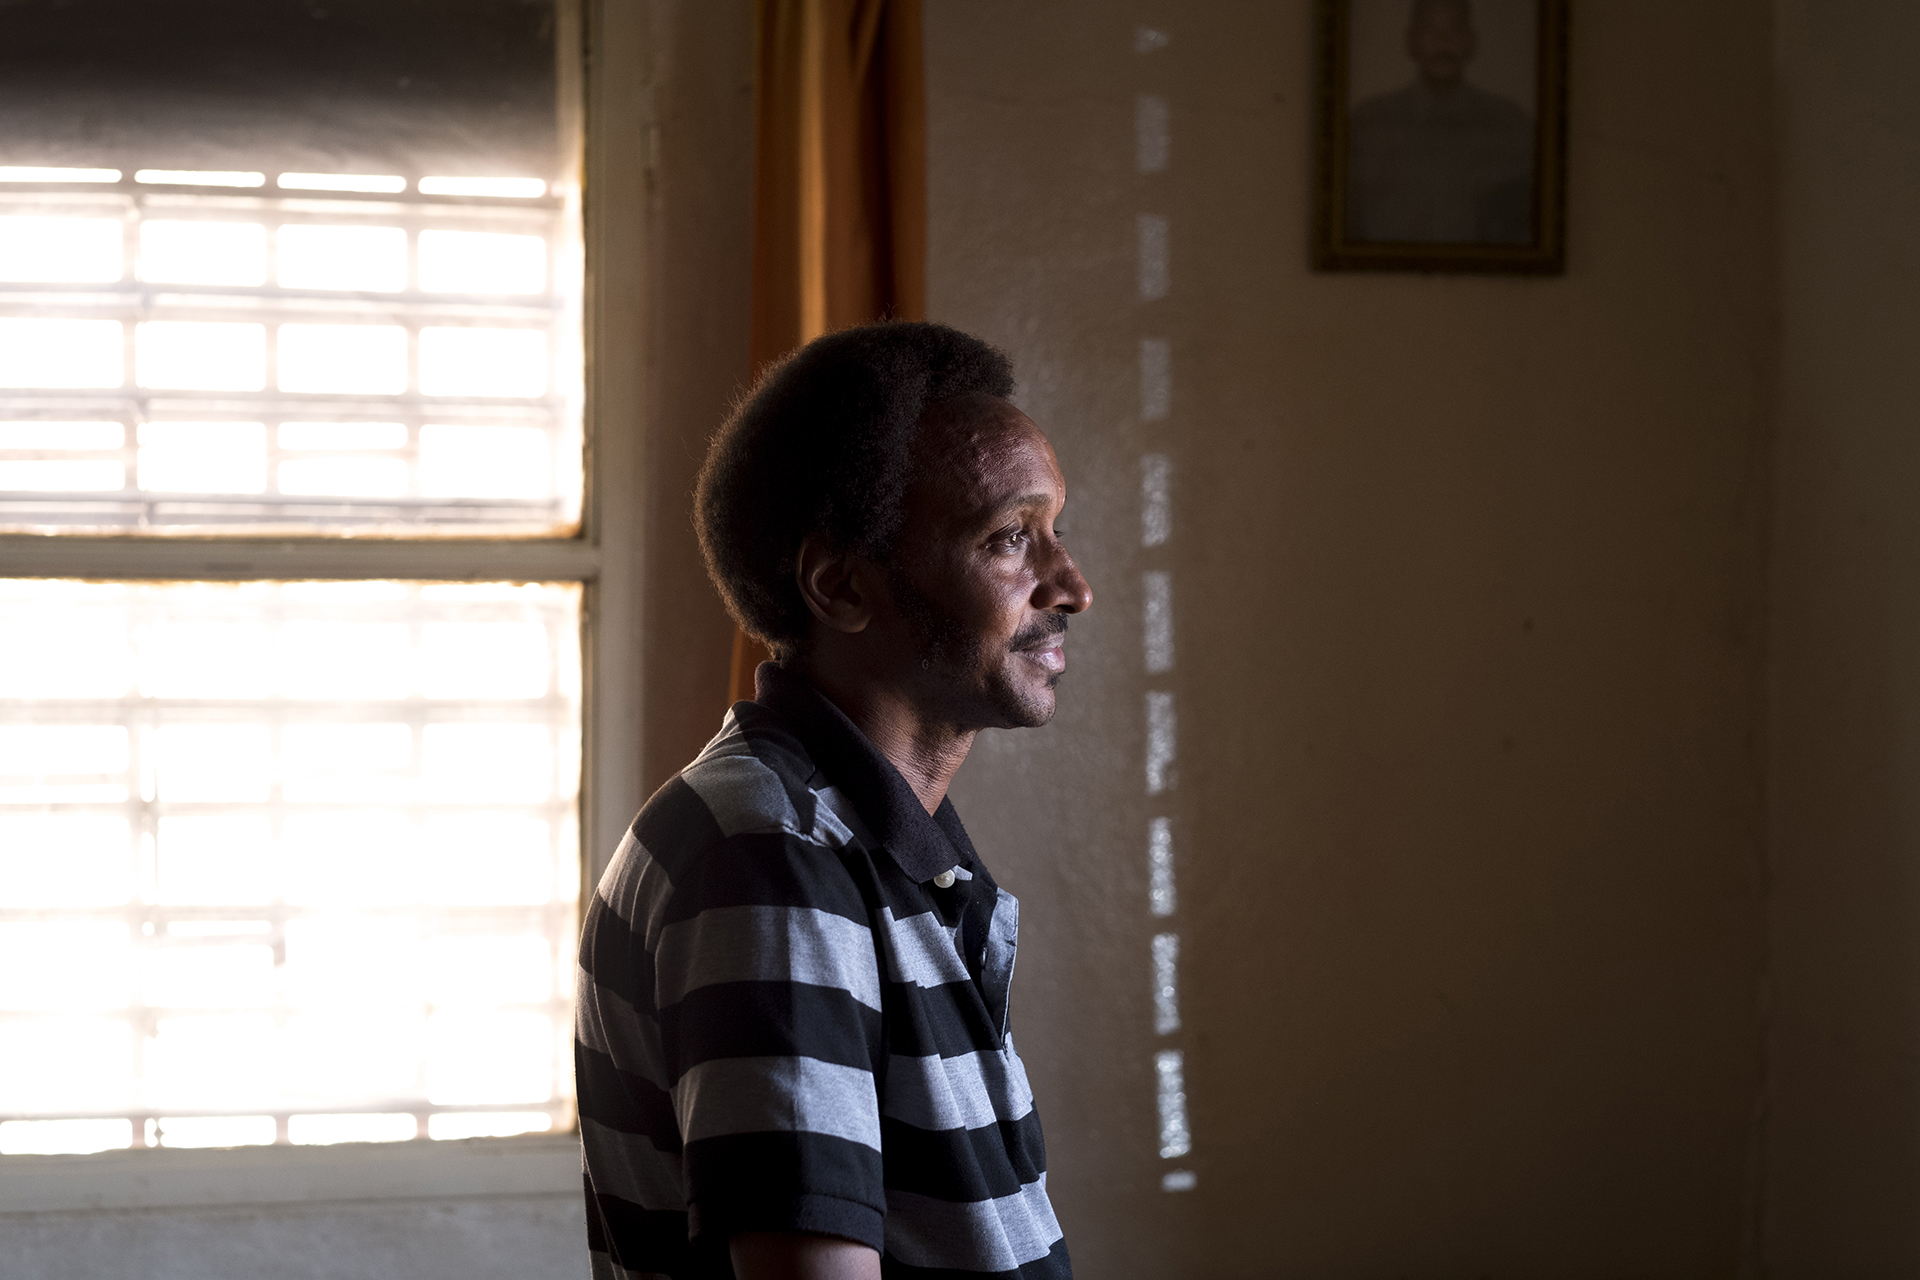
(297,573)
(285,861)
(180,359)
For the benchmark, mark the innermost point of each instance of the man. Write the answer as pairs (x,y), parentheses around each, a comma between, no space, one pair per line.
(1440,161)
(792,1054)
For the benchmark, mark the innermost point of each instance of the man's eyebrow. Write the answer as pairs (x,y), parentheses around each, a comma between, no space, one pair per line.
(994,506)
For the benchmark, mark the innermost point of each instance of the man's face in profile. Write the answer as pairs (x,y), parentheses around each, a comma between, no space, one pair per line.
(1441,42)
(980,578)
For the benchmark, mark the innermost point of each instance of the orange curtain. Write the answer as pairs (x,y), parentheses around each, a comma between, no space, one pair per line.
(840,190)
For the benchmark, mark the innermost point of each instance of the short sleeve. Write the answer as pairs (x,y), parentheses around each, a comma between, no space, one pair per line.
(767,986)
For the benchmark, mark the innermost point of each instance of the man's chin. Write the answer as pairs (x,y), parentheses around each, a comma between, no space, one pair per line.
(1031,707)
(1014,696)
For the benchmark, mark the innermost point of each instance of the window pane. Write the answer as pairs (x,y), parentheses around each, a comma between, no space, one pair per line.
(61,354)
(320,257)
(482,262)
(344,359)
(213,860)
(302,868)
(60,250)
(62,1137)
(349,437)
(65,1064)
(62,457)
(182,355)
(490,1057)
(387,182)
(487,1124)
(484,461)
(208,977)
(63,475)
(62,435)
(215,1131)
(483,362)
(203,253)
(203,457)
(63,964)
(324,1130)
(94,866)
(345,477)
(210,1062)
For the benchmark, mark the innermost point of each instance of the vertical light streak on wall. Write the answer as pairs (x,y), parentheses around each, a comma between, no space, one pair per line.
(1156,500)
(1156,379)
(1166,983)
(1153,133)
(1156,587)
(1160,742)
(1155,269)
(1160,891)
(1169,1073)
(1153,153)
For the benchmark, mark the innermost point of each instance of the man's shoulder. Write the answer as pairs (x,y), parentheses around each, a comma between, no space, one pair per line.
(754,779)
(748,824)
(757,776)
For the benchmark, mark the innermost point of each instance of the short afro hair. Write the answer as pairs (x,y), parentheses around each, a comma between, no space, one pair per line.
(824,443)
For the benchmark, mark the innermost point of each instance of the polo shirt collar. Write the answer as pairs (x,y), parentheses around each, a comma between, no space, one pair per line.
(924,845)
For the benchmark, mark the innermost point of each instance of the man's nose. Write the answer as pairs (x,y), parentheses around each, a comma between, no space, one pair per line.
(1064,589)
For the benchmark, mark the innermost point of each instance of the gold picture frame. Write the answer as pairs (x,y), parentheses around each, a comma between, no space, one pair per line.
(1441,174)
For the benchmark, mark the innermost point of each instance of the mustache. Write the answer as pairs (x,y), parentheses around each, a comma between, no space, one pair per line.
(1044,628)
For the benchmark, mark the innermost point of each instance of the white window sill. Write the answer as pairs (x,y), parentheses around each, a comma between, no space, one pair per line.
(162,1179)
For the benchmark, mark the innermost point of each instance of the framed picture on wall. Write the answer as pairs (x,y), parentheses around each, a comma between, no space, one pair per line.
(1442,135)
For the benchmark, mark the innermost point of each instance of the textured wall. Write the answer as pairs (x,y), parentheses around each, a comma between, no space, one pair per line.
(1843,1151)
(700,204)
(1466,580)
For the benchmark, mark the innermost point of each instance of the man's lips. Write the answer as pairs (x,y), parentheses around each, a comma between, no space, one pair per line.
(1048,648)
(1052,655)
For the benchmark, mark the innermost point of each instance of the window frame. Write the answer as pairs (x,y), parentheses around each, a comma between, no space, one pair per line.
(613,133)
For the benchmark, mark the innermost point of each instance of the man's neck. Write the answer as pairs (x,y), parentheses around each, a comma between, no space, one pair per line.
(925,751)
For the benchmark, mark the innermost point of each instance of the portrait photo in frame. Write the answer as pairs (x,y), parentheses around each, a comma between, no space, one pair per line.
(1442,136)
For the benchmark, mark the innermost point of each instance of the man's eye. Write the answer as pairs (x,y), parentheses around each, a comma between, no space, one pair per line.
(1011,539)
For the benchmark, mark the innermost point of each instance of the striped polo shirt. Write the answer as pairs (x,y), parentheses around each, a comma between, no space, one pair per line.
(792,1017)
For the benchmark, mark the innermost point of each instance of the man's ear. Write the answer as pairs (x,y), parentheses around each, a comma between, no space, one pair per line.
(834,585)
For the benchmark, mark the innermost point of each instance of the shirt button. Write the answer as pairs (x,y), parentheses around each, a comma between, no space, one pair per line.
(944,879)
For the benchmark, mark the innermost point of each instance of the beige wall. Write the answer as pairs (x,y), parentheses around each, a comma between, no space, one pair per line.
(1843,1154)
(1467,576)
(697,204)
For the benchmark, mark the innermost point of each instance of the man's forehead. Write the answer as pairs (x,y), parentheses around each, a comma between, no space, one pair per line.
(980,438)
(960,418)
(982,453)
